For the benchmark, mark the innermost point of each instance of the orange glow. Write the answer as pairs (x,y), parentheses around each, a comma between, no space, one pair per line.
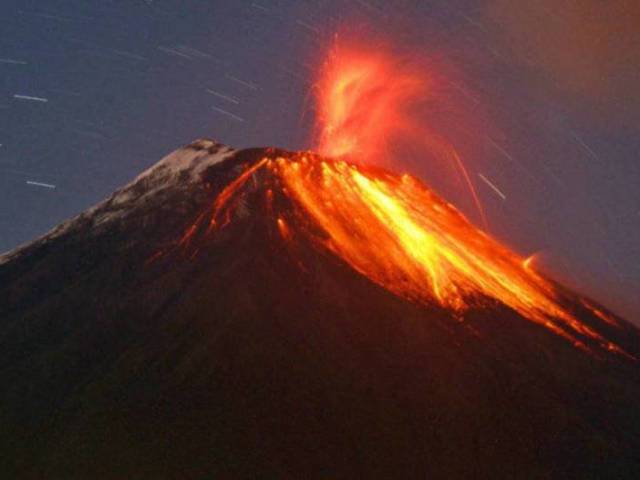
(526,263)
(284,228)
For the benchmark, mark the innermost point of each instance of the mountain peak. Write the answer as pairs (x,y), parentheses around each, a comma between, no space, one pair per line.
(194,157)
(263,313)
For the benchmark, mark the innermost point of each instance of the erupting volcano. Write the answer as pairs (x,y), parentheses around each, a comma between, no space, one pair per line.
(392,228)
(262,313)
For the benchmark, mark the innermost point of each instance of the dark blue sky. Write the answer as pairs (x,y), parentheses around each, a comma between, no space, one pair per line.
(125,82)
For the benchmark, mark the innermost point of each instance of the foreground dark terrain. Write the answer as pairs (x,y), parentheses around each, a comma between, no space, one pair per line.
(249,356)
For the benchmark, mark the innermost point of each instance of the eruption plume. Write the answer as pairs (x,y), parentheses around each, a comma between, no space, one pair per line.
(363,102)
(371,105)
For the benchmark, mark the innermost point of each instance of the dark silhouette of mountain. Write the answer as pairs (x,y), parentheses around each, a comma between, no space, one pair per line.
(135,344)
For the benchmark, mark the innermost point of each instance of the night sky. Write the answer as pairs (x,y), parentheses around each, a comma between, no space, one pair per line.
(92,93)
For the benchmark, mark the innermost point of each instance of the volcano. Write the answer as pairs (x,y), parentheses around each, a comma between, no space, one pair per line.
(261,313)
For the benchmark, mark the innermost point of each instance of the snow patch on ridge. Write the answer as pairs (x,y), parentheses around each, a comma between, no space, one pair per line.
(194,158)
(184,165)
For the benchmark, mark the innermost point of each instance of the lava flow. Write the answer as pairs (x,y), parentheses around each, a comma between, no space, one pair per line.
(392,228)
(404,237)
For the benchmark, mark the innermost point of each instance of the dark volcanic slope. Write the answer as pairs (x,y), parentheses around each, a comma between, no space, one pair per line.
(249,358)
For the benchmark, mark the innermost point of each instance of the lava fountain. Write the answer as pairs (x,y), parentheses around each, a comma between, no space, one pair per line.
(363,101)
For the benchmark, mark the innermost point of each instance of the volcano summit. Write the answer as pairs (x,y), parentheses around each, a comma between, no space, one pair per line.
(268,314)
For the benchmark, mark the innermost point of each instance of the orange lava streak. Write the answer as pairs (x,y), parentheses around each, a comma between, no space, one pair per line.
(228,193)
(600,314)
(283,228)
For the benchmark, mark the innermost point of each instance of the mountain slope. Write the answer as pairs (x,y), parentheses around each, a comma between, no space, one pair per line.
(137,343)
